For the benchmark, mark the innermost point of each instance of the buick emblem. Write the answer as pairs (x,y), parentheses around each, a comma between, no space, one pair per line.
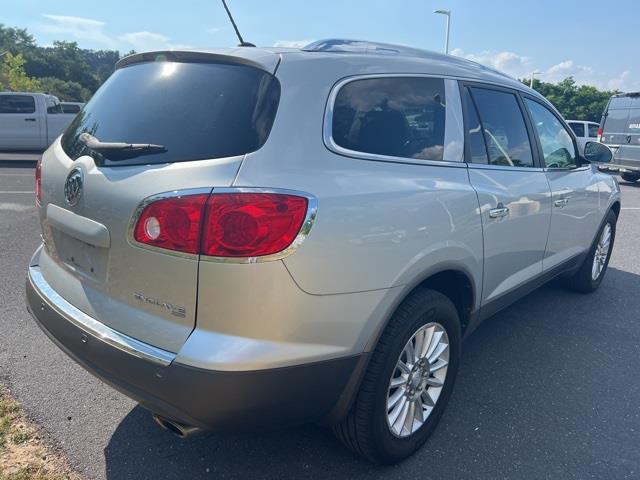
(73,186)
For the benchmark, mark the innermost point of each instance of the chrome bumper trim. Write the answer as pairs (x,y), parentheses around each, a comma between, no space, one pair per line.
(95,328)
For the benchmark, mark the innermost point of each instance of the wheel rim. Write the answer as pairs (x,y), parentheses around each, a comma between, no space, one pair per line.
(417,379)
(602,252)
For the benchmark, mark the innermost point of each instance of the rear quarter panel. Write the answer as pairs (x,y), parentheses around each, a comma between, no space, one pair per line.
(379,224)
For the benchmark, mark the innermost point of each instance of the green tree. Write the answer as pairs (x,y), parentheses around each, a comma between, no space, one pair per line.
(64,90)
(13,76)
(575,102)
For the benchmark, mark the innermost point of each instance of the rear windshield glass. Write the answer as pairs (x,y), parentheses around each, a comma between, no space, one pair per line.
(194,110)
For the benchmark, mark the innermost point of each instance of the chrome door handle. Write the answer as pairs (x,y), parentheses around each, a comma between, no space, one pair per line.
(561,202)
(499,212)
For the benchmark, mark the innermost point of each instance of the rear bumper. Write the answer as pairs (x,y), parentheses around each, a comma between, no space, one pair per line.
(207,399)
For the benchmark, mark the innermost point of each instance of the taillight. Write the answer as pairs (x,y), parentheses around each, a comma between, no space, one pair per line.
(172,223)
(39,181)
(251,224)
(238,224)
(599,134)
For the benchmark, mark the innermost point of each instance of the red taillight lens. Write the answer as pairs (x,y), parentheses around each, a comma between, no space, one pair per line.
(239,224)
(172,223)
(251,224)
(599,134)
(39,180)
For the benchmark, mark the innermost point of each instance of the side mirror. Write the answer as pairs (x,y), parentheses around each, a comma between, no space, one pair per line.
(595,152)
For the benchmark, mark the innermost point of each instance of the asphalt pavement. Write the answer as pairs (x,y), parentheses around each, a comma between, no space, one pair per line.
(549,388)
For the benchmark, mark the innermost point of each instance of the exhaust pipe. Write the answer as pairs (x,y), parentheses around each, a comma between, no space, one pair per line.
(177,428)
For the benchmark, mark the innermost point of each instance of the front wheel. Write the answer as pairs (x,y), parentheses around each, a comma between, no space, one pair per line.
(408,381)
(592,270)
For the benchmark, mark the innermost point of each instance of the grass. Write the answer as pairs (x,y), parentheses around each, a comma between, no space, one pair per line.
(23,455)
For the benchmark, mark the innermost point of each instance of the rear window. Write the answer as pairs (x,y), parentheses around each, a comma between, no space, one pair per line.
(195,110)
(578,128)
(616,121)
(593,130)
(394,116)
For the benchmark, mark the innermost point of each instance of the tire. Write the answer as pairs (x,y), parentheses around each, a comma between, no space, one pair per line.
(630,177)
(366,429)
(583,280)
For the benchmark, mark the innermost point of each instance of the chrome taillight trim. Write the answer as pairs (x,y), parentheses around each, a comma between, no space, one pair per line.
(309,220)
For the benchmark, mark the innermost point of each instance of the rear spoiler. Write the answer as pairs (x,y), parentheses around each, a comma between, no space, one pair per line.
(251,57)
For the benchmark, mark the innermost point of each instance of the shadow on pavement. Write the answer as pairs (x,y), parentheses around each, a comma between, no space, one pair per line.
(541,392)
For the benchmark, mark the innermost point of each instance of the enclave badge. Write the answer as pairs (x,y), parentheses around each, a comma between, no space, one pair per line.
(73,186)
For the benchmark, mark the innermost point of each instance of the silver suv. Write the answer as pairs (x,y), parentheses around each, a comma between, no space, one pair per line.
(252,237)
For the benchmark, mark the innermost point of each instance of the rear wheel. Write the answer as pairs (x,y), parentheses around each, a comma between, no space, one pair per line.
(591,273)
(630,177)
(408,381)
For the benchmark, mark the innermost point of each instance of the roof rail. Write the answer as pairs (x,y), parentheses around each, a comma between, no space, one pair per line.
(342,45)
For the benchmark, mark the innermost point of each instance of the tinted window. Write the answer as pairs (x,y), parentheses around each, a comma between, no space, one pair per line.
(593,130)
(195,110)
(504,129)
(557,144)
(616,121)
(17,104)
(578,128)
(70,108)
(634,121)
(477,147)
(399,117)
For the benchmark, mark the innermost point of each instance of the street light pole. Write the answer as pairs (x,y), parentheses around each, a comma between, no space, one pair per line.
(448,14)
(535,72)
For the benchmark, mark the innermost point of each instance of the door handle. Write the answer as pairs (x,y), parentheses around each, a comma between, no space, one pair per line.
(29,119)
(561,202)
(499,212)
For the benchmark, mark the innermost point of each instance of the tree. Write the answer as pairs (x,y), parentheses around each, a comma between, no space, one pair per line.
(13,76)
(64,90)
(575,102)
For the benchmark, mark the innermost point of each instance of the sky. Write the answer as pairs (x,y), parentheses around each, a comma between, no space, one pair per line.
(593,41)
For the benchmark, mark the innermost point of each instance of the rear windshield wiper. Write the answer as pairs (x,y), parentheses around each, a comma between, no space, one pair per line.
(119,148)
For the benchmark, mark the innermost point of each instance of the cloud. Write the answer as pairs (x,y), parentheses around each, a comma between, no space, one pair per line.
(292,43)
(508,62)
(147,41)
(78,28)
(91,30)
(213,30)
(521,66)
(569,68)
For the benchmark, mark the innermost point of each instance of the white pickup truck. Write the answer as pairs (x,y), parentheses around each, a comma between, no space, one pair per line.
(30,121)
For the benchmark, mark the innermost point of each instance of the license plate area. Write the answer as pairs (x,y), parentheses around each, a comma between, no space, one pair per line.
(80,257)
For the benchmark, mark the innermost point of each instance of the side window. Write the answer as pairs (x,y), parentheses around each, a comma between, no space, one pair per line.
(504,129)
(578,128)
(53,106)
(593,130)
(68,108)
(477,147)
(395,116)
(557,144)
(24,104)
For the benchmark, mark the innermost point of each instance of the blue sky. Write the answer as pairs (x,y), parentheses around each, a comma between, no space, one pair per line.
(590,40)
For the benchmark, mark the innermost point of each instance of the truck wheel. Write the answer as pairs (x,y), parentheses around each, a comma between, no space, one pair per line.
(408,381)
(630,177)
(592,270)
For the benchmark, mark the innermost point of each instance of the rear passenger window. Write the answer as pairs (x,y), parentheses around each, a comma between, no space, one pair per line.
(477,147)
(578,128)
(395,116)
(593,130)
(504,129)
(17,104)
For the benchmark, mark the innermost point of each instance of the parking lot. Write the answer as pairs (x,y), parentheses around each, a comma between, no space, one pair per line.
(548,388)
